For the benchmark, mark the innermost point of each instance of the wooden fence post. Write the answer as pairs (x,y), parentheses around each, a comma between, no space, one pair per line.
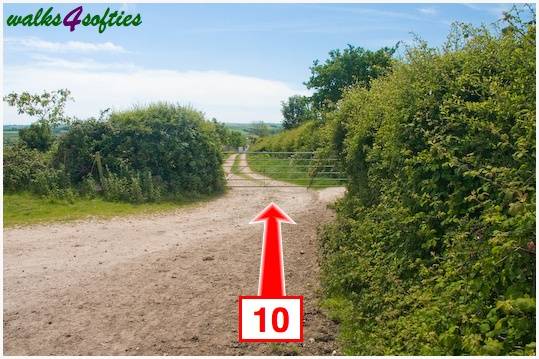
(99,167)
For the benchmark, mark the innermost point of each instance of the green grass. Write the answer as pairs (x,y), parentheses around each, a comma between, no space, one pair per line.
(25,209)
(290,170)
(235,169)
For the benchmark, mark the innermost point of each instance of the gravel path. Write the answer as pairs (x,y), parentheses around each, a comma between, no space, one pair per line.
(159,284)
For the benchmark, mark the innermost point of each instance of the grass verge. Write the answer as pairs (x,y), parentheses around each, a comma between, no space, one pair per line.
(26,209)
(235,169)
(238,171)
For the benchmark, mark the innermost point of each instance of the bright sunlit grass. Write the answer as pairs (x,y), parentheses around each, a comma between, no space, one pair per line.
(25,208)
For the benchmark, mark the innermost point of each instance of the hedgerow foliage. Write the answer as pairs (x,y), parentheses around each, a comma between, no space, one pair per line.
(433,249)
(348,67)
(306,137)
(162,148)
(145,154)
(29,169)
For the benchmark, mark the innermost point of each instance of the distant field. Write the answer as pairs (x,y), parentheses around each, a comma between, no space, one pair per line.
(14,127)
(10,137)
(11,132)
(250,128)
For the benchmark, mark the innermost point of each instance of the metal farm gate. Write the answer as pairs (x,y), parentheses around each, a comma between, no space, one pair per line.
(282,169)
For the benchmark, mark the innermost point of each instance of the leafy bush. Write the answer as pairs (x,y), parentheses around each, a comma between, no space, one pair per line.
(48,182)
(27,169)
(306,137)
(229,138)
(151,187)
(144,153)
(20,166)
(38,135)
(77,148)
(89,187)
(116,188)
(433,250)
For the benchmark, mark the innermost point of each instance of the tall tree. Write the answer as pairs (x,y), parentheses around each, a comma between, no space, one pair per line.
(261,129)
(351,66)
(296,110)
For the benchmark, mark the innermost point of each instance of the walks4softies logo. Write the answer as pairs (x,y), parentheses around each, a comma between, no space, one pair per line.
(76,17)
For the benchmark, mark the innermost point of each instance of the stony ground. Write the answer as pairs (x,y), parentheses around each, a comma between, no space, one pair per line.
(164,284)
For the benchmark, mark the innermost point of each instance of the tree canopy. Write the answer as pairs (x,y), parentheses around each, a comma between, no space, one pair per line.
(296,110)
(351,66)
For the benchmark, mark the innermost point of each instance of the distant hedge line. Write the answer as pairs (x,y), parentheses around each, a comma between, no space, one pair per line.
(145,154)
(306,137)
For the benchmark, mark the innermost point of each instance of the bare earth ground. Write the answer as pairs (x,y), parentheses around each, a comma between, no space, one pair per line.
(164,284)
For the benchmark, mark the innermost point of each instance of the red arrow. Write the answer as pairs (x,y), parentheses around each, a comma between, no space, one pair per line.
(271,283)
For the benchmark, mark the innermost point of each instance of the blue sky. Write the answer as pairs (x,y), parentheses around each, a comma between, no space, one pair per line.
(234,62)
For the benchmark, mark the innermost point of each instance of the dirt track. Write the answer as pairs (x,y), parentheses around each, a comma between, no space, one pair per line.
(160,284)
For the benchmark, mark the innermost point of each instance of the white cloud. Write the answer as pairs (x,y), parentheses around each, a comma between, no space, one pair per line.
(428,11)
(94,86)
(85,64)
(36,44)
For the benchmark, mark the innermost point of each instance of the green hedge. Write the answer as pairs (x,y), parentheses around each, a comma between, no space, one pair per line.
(433,249)
(28,169)
(146,154)
(306,137)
